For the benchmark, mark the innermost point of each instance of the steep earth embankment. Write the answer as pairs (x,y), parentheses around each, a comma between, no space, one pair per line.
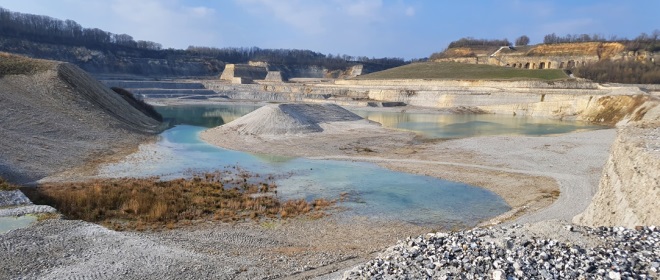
(629,190)
(54,116)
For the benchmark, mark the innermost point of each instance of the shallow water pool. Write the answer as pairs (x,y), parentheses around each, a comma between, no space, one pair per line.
(428,125)
(11,223)
(373,191)
(471,125)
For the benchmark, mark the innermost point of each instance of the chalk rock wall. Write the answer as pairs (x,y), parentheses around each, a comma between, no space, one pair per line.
(629,190)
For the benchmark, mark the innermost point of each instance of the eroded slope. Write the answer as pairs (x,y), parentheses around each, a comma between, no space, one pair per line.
(629,189)
(54,116)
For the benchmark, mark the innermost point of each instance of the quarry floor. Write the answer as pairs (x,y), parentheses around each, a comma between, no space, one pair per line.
(526,171)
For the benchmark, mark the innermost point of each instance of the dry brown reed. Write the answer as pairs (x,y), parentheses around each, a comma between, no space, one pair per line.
(141,204)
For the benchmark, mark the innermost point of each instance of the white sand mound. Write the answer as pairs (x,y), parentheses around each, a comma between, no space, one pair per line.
(285,119)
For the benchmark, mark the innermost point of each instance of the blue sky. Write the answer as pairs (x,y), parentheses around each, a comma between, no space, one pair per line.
(373,28)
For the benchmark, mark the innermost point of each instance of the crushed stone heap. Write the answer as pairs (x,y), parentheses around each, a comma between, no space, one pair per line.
(283,119)
(56,116)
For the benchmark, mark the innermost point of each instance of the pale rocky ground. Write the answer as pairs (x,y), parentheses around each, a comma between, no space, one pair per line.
(523,170)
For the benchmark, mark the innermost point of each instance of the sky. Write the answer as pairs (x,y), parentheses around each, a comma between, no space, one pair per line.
(374,28)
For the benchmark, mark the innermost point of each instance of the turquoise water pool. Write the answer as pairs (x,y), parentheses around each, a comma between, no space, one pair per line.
(373,191)
(11,223)
(471,125)
(426,124)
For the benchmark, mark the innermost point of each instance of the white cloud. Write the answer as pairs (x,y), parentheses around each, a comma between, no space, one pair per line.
(307,16)
(410,11)
(369,9)
(201,12)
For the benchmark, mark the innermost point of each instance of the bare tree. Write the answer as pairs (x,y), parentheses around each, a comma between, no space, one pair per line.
(522,40)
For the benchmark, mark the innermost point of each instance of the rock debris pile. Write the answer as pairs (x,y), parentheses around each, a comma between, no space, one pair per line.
(282,119)
(509,253)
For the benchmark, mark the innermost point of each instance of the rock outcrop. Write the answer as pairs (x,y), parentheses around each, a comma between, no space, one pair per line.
(629,190)
(56,116)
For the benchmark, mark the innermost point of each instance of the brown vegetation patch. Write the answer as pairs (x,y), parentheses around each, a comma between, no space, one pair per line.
(604,50)
(6,186)
(18,65)
(150,203)
(460,52)
(628,72)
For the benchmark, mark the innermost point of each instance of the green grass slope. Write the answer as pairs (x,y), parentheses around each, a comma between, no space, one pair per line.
(462,71)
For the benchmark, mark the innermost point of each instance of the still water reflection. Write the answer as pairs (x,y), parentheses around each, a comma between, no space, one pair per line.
(373,191)
(470,125)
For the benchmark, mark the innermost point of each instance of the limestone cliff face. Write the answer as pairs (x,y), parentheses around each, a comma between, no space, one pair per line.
(629,190)
(546,56)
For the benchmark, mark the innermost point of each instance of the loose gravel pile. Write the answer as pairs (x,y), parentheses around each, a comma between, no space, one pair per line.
(61,117)
(511,252)
(288,119)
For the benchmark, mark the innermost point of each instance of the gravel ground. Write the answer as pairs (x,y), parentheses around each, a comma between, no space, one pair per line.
(25,210)
(64,249)
(302,249)
(13,198)
(561,251)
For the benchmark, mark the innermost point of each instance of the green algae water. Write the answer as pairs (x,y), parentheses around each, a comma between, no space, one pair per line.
(372,191)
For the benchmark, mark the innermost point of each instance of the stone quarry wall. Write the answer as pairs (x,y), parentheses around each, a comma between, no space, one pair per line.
(629,190)
(528,62)
(438,84)
(350,72)
(550,56)
(243,71)
(571,99)
(259,71)
(274,76)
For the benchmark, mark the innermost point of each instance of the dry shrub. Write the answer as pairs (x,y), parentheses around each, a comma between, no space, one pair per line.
(150,203)
(6,186)
(628,72)
(19,65)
